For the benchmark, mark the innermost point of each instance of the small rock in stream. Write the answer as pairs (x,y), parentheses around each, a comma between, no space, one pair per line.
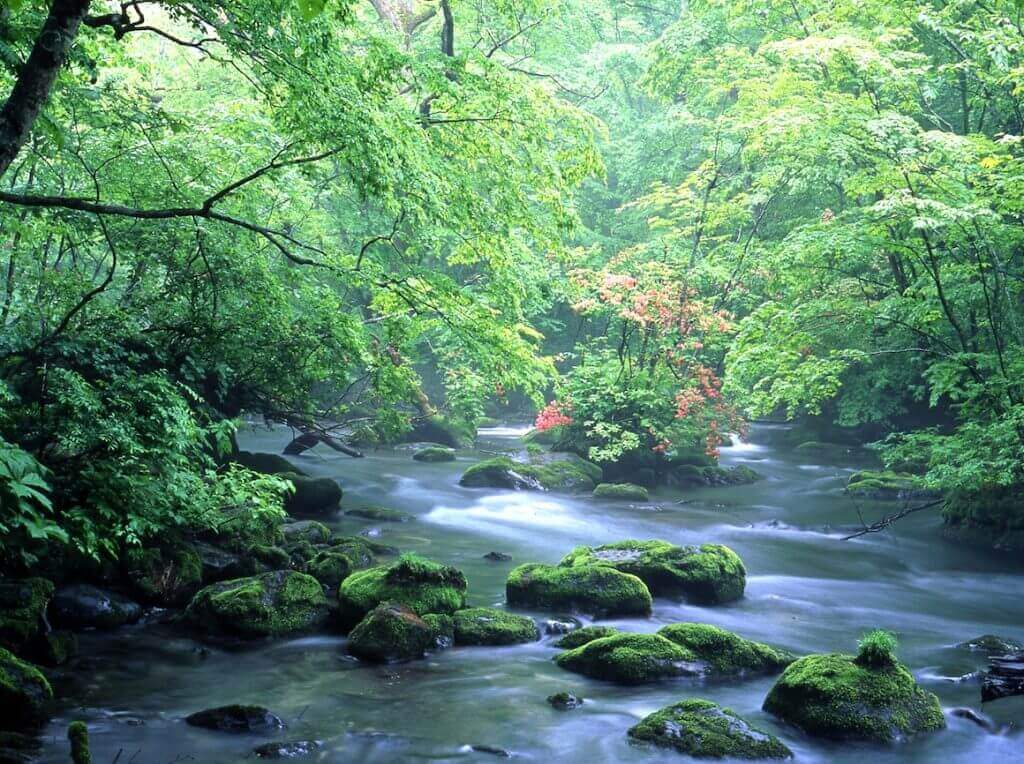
(493,750)
(291,749)
(235,718)
(560,625)
(497,557)
(1005,677)
(973,716)
(990,644)
(565,701)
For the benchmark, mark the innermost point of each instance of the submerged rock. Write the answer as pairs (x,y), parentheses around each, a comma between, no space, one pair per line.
(586,634)
(489,626)
(23,611)
(631,659)
(709,574)
(497,557)
(83,606)
(420,584)
(564,701)
(434,454)
(974,717)
(289,749)
(621,492)
(391,632)
(833,696)
(568,473)
(593,589)
(381,514)
(726,653)
(271,604)
(24,693)
(705,730)
(990,644)
(312,496)
(235,718)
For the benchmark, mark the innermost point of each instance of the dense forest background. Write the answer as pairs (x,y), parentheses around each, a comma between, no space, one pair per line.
(647,222)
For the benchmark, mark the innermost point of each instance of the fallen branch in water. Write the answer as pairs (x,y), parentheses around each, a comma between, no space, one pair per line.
(888,520)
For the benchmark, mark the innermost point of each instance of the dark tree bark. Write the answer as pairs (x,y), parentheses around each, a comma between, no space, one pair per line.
(35,81)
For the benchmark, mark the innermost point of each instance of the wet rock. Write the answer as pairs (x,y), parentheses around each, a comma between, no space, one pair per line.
(887,485)
(291,749)
(489,626)
(833,696)
(83,606)
(497,557)
(443,430)
(593,589)
(1004,678)
(621,492)
(709,574)
(235,718)
(990,644)
(268,464)
(434,454)
(219,564)
(705,730)
(565,701)
(580,637)
(381,514)
(390,632)
(23,611)
(974,717)
(168,574)
(420,584)
(726,653)
(78,736)
(443,629)
(492,750)
(687,475)
(311,531)
(54,648)
(562,474)
(271,604)
(330,567)
(631,659)
(554,626)
(312,496)
(24,693)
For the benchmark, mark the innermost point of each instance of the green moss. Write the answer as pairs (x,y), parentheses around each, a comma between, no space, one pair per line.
(78,736)
(24,693)
(434,454)
(709,574)
(630,659)
(885,485)
(993,516)
(23,611)
(422,585)
(312,496)
(621,491)
(990,644)
(726,653)
(442,627)
(270,604)
(565,701)
(362,551)
(562,474)
(330,567)
(579,637)
(832,696)
(380,514)
(877,649)
(273,557)
(705,730)
(593,589)
(692,474)
(168,574)
(306,530)
(489,626)
(390,632)
(451,431)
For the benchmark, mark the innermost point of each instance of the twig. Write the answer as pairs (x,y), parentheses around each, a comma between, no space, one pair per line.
(888,520)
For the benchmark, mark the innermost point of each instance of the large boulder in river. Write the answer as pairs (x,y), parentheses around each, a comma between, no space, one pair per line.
(836,696)
(631,659)
(390,632)
(705,730)
(621,492)
(434,454)
(708,575)
(445,430)
(566,473)
(268,464)
(420,584)
(83,606)
(592,589)
(24,693)
(490,626)
(23,611)
(271,604)
(725,653)
(312,496)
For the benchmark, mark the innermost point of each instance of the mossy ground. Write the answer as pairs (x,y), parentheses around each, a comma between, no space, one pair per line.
(621,492)
(593,589)
(489,626)
(726,653)
(422,585)
(630,659)
(709,574)
(832,696)
(703,729)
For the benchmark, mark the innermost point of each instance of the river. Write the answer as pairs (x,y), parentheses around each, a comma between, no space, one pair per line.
(807,591)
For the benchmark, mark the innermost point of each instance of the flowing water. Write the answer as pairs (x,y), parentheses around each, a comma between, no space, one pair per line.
(807,591)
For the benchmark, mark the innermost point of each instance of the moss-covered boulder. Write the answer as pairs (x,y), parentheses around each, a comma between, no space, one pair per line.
(434,454)
(306,530)
(550,436)
(83,606)
(420,584)
(78,737)
(886,485)
(834,696)
(592,589)
(23,611)
(312,496)
(564,701)
(579,637)
(380,514)
(268,605)
(686,475)
(166,574)
(391,632)
(442,626)
(631,659)
(330,567)
(709,574)
(566,473)
(490,626)
(705,730)
(268,464)
(450,431)
(990,644)
(24,693)
(726,653)
(621,492)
